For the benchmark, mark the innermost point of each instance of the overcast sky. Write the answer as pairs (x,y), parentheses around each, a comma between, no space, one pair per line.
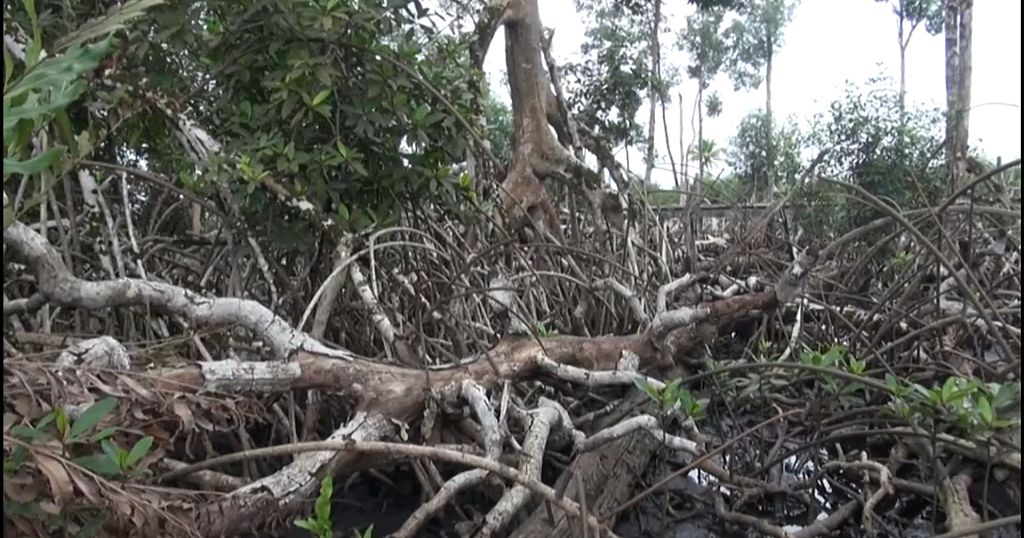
(823,48)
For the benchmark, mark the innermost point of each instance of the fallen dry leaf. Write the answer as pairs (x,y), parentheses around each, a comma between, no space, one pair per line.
(185,414)
(87,488)
(60,482)
(20,488)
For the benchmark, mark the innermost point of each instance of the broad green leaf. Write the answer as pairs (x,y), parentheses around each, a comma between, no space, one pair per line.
(320,98)
(420,113)
(46,420)
(37,112)
(646,387)
(985,410)
(34,165)
(99,464)
(323,74)
(26,433)
(105,433)
(66,131)
(58,71)
(35,45)
(1006,394)
(16,460)
(92,416)
(343,212)
(112,451)
(61,419)
(114,20)
(8,66)
(140,450)
(322,509)
(359,168)
(833,355)
(947,389)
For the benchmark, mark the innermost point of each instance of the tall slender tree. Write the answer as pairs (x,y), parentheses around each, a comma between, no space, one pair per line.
(957,24)
(910,15)
(652,87)
(754,37)
(706,45)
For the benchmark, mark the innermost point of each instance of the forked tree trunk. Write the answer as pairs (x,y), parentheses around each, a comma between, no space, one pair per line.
(536,153)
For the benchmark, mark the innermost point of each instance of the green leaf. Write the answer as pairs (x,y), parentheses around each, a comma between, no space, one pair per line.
(66,131)
(35,45)
(833,355)
(46,420)
(343,150)
(318,528)
(61,419)
(17,459)
(420,113)
(1007,394)
(59,71)
(646,387)
(105,433)
(114,20)
(359,168)
(34,165)
(985,410)
(323,74)
(139,451)
(322,509)
(26,433)
(92,416)
(670,394)
(30,108)
(99,464)
(8,66)
(320,98)
(112,451)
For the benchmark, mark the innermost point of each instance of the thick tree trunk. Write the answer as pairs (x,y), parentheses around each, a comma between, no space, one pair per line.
(536,152)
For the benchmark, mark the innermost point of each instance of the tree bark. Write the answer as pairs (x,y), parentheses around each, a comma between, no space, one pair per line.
(964,86)
(652,91)
(769,134)
(901,20)
(957,27)
(536,152)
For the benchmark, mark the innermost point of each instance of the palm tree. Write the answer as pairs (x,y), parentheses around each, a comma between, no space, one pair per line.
(706,153)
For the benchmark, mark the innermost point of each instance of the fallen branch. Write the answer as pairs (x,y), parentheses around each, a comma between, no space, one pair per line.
(59,286)
(398,450)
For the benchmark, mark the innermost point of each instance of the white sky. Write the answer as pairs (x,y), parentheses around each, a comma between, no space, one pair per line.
(823,48)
